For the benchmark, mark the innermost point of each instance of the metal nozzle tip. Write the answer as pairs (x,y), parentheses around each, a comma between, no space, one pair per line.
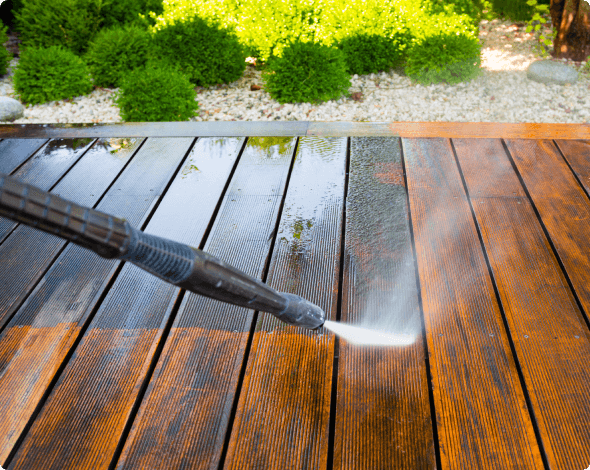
(300,312)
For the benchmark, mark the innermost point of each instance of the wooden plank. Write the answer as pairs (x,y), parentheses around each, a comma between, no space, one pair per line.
(550,336)
(563,207)
(14,152)
(383,416)
(26,253)
(46,168)
(482,417)
(46,327)
(577,154)
(183,418)
(283,413)
(301,128)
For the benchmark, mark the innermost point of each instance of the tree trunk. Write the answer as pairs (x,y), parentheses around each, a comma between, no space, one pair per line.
(571,20)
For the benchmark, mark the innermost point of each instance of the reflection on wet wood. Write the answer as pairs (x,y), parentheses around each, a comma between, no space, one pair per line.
(482,417)
(14,152)
(383,412)
(184,416)
(284,409)
(82,420)
(548,331)
(26,253)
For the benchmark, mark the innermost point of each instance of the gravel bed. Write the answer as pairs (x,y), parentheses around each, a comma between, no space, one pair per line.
(501,94)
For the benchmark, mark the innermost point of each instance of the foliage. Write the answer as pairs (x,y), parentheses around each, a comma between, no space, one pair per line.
(444,56)
(116,51)
(122,12)
(307,72)
(203,50)
(537,19)
(472,8)
(372,53)
(154,93)
(50,74)
(68,23)
(5,56)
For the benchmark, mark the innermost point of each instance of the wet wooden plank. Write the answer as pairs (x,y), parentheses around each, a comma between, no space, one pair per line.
(46,168)
(482,417)
(26,253)
(283,414)
(551,339)
(183,418)
(577,154)
(14,152)
(563,207)
(62,305)
(383,416)
(301,128)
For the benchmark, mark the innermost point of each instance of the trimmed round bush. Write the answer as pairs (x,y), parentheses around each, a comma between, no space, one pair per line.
(50,74)
(205,52)
(115,52)
(155,93)
(307,72)
(372,53)
(449,57)
(69,23)
(5,56)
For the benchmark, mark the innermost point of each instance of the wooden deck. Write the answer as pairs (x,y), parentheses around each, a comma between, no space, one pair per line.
(474,237)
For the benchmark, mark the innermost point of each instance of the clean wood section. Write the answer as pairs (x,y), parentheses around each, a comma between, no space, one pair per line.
(81,422)
(184,416)
(32,250)
(284,403)
(46,168)
(563,207)
(383,417)
(14,152)
(482,417)
(577,154)
(549,334)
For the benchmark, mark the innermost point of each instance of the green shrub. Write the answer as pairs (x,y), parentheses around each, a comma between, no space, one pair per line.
(123,12)
(307,72)
(450,57)
(50,74)
(68,23)
(116,51)
(156,92)
(202,49)
(5,56)
(372,53)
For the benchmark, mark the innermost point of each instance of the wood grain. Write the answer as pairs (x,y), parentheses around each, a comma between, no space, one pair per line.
(549,334)
(183,419)
(482,417)
(284,406)
(14,152)
(383,415)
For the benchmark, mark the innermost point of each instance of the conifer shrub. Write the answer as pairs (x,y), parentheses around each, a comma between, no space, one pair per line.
(50,74)
(156,92)
(68,23)
(5,56)
(449,57)
(203,50)
(124,12)
(307,72)
(116,51)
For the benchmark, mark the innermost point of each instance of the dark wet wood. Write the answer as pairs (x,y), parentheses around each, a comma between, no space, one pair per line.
(383,417)
(81,334)
(301,128)
(546,326)
(284,403)
(184,416)
(45,168)
(482,416)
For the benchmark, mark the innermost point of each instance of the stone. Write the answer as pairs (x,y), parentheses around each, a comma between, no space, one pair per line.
(549,72)
(10,109)
(254,87)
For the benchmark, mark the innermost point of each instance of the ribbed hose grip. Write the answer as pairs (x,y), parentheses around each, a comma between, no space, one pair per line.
(94,230)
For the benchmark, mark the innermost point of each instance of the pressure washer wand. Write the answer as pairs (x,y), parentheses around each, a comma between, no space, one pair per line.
(177,263)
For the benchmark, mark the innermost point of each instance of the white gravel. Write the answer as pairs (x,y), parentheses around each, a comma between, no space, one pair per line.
(501,94)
